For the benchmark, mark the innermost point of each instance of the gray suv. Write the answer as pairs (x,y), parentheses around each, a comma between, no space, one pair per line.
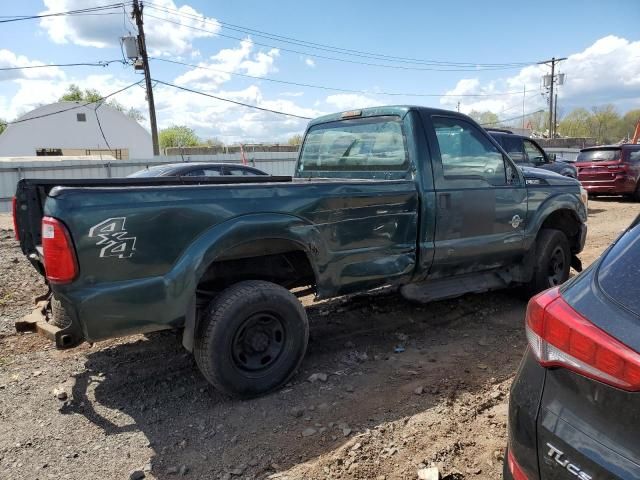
(526,152)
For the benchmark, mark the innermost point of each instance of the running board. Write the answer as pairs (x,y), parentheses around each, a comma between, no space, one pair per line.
(431,290)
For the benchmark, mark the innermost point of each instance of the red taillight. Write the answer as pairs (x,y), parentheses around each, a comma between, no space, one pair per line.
(561,337)
(14,209)
(59,256)
(516,470)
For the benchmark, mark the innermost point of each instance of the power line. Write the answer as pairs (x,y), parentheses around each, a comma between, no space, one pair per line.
(95,111)
(69,12)
(330,48)
(335,89)
(509,119)
(231,101)
(102,63)
(101,99)
(326,57)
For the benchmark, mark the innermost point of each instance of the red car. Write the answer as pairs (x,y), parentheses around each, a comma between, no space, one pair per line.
(610,170)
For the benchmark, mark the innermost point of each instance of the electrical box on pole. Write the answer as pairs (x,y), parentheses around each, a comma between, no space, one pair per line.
(131,48)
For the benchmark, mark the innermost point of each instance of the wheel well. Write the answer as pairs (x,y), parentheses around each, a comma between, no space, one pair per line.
(567,222)
(276,261)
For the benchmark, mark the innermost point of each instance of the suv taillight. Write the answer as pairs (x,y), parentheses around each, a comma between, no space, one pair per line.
(561,337)
(14,210)
(59,256)
(514,467)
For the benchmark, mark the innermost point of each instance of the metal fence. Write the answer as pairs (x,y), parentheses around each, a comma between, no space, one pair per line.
(274,163)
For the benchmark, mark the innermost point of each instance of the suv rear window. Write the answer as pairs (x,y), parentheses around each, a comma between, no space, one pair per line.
(375,143)
(619,272)
(604,155)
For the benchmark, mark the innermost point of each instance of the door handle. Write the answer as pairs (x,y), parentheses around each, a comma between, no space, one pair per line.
(444,200)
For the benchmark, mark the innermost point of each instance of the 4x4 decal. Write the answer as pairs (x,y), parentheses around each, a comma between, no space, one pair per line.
(113,238)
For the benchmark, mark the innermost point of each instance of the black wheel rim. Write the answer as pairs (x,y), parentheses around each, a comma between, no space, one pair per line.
(556,267)
(259,342)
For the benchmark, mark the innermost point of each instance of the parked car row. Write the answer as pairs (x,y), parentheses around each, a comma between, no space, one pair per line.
(602,170)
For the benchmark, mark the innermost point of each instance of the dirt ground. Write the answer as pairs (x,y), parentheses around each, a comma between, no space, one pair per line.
(406,387)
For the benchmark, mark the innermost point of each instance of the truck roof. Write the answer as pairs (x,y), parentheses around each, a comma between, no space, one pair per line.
(399,110)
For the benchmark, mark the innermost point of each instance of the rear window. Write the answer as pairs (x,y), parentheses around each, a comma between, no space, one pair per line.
(598,155)
(619,272)
(375,143)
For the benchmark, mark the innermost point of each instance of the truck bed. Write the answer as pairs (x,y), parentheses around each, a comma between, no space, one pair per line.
(31,194)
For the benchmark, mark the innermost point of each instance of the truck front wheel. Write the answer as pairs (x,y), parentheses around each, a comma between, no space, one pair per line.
(553,261)
(252,338)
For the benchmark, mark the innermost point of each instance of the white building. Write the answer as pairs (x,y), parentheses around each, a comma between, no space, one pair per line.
(72,128)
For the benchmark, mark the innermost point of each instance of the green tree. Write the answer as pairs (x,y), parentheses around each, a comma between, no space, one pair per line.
(604,124)
(75,94)
(178,136)
(213,142)
(485,118)
(3,125)
(295,139)
(576,123)
(628,124)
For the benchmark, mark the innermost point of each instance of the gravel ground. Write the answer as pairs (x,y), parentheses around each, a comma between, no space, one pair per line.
(139,404)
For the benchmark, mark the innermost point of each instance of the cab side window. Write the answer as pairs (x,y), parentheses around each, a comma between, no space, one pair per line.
(467,154)
(513,146)
(534,154)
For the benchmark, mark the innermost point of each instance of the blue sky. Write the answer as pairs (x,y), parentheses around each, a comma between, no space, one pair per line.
(601,39)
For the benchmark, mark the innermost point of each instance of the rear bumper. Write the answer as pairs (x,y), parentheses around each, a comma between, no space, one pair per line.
(39,321)
(618,185)
(588,427)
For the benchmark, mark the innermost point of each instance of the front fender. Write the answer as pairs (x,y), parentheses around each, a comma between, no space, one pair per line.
(541,209)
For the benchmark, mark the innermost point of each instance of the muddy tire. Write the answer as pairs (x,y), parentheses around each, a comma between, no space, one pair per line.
(251,339)
(553,261)
(636,195)
(59,316)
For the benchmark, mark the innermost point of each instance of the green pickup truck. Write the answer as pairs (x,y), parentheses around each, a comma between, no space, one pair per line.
(412,197)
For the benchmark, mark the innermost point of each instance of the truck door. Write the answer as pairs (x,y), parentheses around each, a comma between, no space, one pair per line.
(481,201)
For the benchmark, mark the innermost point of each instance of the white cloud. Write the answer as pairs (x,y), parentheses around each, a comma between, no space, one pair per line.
(346,101)
(230,122)
(241,59)
(9,59)
(606,72)
(167,35)
(310,63)
(291,94)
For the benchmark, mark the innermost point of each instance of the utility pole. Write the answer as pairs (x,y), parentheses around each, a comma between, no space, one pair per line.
(524,95)
(137,14)
(555,114)
(552,80)
(458,105)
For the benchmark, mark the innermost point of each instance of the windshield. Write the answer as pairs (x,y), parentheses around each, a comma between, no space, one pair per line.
(619,273)
(157,171)
(598,155)
(375,143)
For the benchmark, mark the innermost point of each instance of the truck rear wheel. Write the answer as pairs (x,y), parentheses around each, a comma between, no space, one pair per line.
(553,261)
(252,338)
